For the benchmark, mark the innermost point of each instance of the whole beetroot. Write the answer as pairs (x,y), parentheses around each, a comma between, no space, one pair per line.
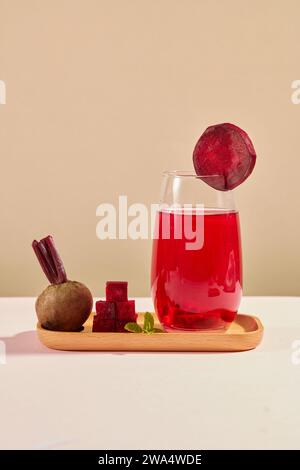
(64,305)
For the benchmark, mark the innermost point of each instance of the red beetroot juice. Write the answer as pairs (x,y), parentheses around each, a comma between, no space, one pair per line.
(197,289)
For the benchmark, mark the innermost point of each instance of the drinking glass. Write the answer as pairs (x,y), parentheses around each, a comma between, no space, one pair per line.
(196,277)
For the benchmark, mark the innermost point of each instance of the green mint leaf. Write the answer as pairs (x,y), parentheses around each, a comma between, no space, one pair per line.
(148,322)
(133,327)
(154,330)
(150,332)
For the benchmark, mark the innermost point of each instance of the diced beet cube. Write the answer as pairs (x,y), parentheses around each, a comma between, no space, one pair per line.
(126,311)
(116,291)
(106,310)
(100,325)
(120,326)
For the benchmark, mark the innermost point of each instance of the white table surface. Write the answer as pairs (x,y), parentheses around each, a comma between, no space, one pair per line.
(69,400)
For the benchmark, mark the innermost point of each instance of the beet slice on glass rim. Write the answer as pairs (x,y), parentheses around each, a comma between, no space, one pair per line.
(224,155)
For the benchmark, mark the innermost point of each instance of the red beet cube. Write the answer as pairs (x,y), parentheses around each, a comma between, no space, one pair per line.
(100,325)
(106,310)
(125,311)
(116,291)
(120,326)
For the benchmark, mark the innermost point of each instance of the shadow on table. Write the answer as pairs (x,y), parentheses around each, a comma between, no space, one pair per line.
(26,342)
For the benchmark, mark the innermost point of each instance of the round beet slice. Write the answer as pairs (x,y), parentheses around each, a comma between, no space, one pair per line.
(225,156)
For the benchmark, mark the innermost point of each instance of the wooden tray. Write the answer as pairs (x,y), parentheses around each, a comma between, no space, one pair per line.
(245,333)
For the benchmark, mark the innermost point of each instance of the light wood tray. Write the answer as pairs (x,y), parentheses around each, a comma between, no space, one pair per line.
(245,333)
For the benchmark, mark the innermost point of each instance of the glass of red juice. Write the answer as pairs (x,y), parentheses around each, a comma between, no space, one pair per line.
(196,277)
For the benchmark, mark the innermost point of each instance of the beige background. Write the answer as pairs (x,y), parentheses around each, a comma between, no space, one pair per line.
(102,96)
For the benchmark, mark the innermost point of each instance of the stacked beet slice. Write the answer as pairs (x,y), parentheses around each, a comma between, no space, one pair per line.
(113,313)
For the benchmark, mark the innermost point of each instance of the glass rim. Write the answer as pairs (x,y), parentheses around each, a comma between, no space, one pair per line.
(187,174)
